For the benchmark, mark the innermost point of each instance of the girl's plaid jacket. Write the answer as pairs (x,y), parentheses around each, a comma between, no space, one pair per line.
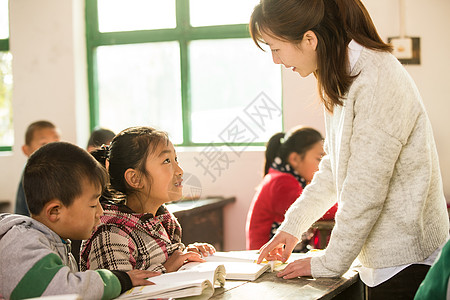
(125,240)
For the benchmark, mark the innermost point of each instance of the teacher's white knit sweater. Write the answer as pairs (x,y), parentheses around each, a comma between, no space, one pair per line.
(382,167)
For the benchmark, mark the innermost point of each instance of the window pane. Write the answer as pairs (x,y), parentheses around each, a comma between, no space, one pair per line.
(127,15)
(224,92)
(6,126)
(4,20)
(214,12)
(140,85)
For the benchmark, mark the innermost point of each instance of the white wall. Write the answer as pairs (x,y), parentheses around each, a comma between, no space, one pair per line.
(49,73)
(50,83)
(428,20)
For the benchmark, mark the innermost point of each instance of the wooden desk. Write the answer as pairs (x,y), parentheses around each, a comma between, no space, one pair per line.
(268,286)
(201,220)
(4,206)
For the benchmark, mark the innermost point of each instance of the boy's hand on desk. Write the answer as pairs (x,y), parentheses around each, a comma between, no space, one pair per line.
(299,267)
(204,249)
(178,258)
(139,277)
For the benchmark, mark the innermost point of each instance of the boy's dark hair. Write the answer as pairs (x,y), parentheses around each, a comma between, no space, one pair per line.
(56,171)
(99,137)
(31,129)
(298,139)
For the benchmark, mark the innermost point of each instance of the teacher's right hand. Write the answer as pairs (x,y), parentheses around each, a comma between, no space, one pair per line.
(273,249)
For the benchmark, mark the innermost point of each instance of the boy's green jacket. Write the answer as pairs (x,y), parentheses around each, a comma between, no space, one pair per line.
(35,261)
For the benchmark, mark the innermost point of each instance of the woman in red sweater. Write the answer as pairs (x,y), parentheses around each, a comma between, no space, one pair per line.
(291,161)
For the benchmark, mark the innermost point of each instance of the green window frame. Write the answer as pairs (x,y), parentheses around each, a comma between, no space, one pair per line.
(4,47)
(183,33)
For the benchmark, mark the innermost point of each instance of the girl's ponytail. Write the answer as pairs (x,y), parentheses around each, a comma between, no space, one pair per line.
(272,149)
(101,154)
(299,139)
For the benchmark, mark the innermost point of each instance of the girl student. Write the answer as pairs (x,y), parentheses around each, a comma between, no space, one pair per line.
(136,230)
(292,158)
(381,165)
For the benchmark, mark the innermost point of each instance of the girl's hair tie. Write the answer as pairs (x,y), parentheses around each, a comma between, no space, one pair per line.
(104,151)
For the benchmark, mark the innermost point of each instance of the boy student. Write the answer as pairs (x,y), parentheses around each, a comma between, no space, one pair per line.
(62,184)
(37,135)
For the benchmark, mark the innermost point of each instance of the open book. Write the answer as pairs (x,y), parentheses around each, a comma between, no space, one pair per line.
(239,265)
(196,282)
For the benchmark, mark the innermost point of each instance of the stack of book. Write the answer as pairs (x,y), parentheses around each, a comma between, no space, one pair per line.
(198,280)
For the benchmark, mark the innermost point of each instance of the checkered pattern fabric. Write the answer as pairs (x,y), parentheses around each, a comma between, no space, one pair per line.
(125,240)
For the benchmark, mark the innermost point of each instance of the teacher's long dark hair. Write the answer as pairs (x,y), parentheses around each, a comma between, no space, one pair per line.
(334,22)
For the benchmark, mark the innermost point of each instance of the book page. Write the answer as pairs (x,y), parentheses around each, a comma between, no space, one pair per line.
(196,288)
(197,269)
(196,282)
(243,256)
(239,265)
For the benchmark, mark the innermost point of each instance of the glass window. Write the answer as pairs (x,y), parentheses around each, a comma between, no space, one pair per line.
(241,72)
(215,12)
(6,125)
(128,15)
(6,132)
(140,85)
(4,20)
(191,70)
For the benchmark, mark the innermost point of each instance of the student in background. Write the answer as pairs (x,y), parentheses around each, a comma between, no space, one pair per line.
(381,165)
(62,184)
(37,135)
(291,161)
(137,231)
(99,137)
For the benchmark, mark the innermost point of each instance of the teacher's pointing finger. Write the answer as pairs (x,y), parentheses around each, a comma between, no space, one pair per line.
(276,243)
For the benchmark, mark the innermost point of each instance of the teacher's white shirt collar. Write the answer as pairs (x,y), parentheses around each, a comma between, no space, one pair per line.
(354,51)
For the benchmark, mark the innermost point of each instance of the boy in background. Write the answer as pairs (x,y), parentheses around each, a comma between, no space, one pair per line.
(37,135)
(62,184)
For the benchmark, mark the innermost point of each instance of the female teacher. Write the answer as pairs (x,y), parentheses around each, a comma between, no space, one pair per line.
(381,164)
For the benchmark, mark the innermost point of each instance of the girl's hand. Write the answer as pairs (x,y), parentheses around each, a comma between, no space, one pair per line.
(139,277)
(204,249)
(178,258)
(299,267)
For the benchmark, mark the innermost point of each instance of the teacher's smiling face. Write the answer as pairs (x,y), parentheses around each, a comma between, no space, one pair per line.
(301,57)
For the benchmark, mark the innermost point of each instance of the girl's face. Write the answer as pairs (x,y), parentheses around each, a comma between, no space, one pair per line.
(309,164)
(301,58)
(165,173)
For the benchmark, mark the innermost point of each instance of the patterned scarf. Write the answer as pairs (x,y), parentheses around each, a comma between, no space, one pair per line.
(280,166)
